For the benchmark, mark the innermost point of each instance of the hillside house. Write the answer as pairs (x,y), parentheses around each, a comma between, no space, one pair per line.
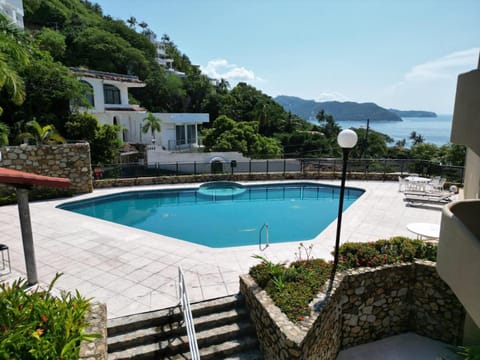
(108,98)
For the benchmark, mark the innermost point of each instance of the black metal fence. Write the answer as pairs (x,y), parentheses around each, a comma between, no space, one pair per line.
(398,167)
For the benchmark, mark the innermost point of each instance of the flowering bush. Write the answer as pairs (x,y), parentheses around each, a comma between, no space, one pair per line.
(293,288)
(37,325)
(382,252)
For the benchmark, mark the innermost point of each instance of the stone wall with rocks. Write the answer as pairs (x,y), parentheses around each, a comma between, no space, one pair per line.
(97,320)
(67,160)
(363,305)
(106,183)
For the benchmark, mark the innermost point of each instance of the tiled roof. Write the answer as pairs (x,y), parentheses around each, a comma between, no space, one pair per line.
(106,75)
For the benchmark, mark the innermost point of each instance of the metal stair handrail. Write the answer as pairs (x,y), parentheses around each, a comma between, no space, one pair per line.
(187,315)
(267,242)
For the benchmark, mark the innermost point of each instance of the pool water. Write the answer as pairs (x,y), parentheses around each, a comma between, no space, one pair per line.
(293,212)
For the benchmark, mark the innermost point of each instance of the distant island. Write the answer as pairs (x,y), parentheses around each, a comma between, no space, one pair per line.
(414,113)
(345,111)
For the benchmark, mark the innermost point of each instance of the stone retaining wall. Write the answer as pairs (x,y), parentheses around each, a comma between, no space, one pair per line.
(67,160)
(364,305)
(106,183)
(97,349)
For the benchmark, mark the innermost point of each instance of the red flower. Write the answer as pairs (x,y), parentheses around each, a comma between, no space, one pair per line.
(3,328)
(44,318)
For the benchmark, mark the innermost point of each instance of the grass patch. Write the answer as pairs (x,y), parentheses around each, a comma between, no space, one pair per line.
(293,287)
(37,325)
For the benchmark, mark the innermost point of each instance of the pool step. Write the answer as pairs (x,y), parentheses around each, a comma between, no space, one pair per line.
(223,330)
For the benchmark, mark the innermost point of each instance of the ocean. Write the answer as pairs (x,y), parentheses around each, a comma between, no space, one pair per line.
(434,130)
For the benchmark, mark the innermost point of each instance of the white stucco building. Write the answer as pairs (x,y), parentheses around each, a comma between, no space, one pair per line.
(109,102)
(13,9)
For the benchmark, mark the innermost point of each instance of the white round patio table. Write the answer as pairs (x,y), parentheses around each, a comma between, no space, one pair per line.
(426,230)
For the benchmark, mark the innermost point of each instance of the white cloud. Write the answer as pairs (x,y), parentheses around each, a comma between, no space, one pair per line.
(445,67)
(332,96)
(222,69)
(430,85)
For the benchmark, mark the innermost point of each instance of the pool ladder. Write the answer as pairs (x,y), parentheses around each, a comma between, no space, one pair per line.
(267,242)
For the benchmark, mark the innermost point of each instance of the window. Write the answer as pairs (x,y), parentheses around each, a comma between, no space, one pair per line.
(111,94)
(180,131)
(191,134)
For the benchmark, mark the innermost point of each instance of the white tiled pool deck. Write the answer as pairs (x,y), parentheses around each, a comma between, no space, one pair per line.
(135,271)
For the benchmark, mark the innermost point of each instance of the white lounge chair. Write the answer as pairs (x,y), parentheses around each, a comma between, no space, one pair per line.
(433,198)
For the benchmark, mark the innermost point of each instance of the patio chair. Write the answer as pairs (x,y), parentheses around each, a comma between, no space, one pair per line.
(402,184)
(437,183)
(422,198)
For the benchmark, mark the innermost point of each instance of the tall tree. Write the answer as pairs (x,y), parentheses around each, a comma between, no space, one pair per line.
(13,55)
(132,22)
(416,138)
(152,124)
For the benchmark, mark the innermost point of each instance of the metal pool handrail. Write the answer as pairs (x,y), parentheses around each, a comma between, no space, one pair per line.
(267,242)
(187,315)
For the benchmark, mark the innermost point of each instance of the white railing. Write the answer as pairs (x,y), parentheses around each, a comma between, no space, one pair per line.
(187,315)
(267,242)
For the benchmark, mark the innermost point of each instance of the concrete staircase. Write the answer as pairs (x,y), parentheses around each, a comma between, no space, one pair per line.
(223,329)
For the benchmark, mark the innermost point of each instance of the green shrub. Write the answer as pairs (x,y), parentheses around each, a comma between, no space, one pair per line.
(293,288)
(34,324)
(382,252)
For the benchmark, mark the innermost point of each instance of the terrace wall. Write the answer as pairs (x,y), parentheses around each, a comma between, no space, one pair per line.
(70,161)
(364,305)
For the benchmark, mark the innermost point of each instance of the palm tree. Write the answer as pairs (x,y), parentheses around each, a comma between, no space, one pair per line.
(132,22)
(42,135)
(152,124)
(13,55)
(416,138)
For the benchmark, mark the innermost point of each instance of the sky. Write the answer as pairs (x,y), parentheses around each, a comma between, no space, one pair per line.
(403,54)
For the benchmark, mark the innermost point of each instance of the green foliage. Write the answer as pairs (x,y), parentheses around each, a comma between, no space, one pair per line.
(14,49)
(152,124)
(469,352)
(382,252)
(293,288)
(106,51)
(37,325)
(51,41)
(82,126)
(41,135)
(452,154)
(424,151)
(106,146)
(163,92)
(4,131)
(228,135)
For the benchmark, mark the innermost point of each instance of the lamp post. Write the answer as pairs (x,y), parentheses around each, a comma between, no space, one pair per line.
(347,139)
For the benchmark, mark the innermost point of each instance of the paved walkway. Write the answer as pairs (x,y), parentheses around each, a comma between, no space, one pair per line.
(408,346)
(135,271)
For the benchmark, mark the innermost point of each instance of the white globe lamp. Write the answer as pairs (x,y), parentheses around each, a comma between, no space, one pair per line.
(347,139)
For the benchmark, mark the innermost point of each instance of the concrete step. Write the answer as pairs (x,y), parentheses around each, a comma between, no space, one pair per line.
(161,317)
(147,335)
(208,340)
(245,348)
(222,326)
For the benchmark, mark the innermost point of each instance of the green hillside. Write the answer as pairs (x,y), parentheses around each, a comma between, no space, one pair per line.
(308,109)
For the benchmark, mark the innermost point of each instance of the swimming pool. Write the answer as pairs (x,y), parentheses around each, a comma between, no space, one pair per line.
(224,214)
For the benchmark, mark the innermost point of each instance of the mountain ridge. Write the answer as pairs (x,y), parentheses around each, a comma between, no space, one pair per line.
(344,111)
